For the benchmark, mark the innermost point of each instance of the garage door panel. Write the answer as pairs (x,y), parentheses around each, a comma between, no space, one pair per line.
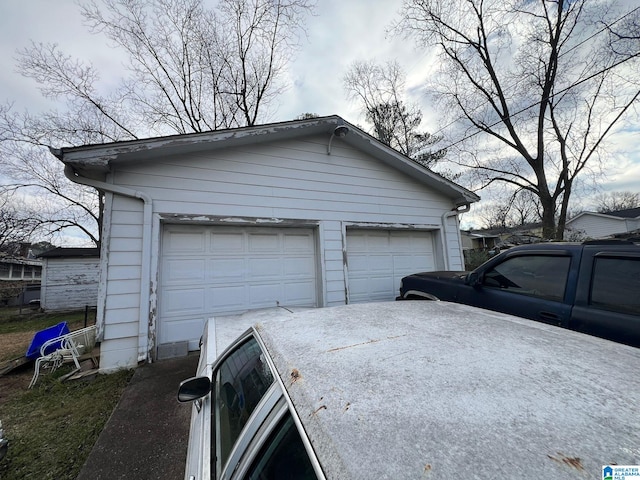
(226,298)
(227,269)
(298,243)
(178,271)
(232,270)
(180,241)
(261,268)
(409,262)
(264,243)
(181,301)
(264,295)
(298,266)
(227,242)
(400,243)
(378,259)
(298,293)
(357,262)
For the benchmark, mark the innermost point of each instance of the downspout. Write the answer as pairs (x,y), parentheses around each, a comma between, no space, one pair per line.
(445,216)
(145,274)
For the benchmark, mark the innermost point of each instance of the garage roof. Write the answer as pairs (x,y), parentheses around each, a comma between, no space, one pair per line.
(94,161)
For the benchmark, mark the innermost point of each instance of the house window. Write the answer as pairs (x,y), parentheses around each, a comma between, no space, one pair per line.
(37,272)
(16,271)
(616,283)
(4,270)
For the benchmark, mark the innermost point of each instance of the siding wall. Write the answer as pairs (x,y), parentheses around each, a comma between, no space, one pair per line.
(280,183)
(596,226)
(69,283)
(121,297)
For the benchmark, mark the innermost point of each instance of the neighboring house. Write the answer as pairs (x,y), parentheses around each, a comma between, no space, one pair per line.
(502,237)
(602,225)
(478,240)
(305,213)
(19,279)
(70,278)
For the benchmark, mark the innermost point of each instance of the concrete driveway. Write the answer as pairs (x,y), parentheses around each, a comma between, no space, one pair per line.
(146,436)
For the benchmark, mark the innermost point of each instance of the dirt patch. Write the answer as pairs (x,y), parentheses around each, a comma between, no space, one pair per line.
(15,383)
(13,345)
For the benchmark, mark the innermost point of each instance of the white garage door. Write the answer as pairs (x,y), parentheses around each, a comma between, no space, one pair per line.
(378,259)
(212,270)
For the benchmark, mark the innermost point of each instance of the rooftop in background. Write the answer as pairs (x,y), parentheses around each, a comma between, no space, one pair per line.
(60,252)
(626,213)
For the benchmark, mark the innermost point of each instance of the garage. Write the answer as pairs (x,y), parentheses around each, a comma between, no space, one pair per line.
(308,213)
(378,259)
(207,270)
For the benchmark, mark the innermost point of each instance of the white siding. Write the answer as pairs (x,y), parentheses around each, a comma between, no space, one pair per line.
(452,246)
(70,283)
(597,226)
(334,280)
(122,260)
(296,180)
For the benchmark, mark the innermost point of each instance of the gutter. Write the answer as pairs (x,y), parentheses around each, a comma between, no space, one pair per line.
(145,274)
(445,216)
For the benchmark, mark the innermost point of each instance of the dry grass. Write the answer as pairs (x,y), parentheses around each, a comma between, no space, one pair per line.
(53,427)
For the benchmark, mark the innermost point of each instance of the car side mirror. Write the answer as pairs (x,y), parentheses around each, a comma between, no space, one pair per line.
(473,279)
(193,388)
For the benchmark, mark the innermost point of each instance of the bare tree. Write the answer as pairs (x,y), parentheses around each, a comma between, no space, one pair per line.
(50,201)
(194,69)
(190,69)
(379,89)
(614,201)
(518,208)
(16,227)
(536,85)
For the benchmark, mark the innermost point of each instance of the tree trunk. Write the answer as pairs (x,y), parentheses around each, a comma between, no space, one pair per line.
(548,217)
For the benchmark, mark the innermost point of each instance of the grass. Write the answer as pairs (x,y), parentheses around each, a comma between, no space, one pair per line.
(53,427)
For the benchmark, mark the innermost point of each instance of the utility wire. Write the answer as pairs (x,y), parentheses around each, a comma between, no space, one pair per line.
(564,90)
(603,29)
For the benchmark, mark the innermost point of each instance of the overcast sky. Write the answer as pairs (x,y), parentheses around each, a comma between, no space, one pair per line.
(341,32)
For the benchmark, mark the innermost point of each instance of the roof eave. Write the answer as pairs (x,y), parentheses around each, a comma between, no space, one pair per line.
(95,161)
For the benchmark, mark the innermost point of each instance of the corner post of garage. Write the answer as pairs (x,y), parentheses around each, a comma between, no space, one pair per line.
(458,209)
(145,274)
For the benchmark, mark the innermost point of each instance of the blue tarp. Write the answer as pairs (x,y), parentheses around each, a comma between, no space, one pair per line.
(42,336)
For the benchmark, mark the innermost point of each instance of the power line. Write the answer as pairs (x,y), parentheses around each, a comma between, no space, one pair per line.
(603,29)
(564,90)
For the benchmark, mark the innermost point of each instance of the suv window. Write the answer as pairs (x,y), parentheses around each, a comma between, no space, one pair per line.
(543,276)
(240,382)
(283,456)
(616,284)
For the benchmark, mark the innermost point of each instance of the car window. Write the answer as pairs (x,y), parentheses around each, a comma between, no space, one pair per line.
(616,284)
(283,456)
(240,382)
(543,276)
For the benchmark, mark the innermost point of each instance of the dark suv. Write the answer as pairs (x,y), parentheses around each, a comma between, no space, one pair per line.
(593,287)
